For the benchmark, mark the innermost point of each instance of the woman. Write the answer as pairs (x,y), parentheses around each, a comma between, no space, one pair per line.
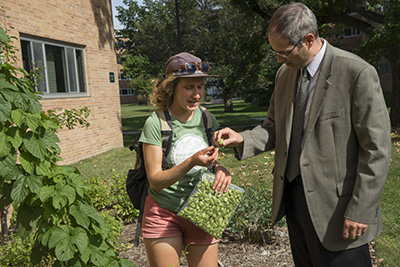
(166,234)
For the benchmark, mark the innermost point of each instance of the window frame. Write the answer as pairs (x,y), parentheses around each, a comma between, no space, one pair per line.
(128,90)
(65,47)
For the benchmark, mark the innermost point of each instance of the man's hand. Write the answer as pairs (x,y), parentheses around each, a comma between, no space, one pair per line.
(352,229)
(227,137)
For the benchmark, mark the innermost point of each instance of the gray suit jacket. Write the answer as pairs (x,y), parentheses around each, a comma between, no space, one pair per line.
(346,150)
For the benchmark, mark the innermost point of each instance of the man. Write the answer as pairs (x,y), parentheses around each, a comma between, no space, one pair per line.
(332,155)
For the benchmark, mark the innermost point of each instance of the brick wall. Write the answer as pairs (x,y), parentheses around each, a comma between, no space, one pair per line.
(88,24)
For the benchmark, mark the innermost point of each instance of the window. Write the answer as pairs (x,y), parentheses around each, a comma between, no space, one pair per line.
(387,68)
(126,91)
(351,32)
(63,66)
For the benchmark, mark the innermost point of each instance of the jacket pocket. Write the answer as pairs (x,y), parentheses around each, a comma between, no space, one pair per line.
(331,115)
(345,188)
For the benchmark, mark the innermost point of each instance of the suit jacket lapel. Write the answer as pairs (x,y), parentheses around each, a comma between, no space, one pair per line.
(322,86)
(291,87)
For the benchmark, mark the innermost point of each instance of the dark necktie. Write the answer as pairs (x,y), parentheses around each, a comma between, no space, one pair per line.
(293,163)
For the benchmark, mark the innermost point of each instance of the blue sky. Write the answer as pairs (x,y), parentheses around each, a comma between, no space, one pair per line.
(119,3)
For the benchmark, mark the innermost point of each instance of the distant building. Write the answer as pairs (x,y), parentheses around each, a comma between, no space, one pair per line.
(74,42)
(126,93)
(351,39)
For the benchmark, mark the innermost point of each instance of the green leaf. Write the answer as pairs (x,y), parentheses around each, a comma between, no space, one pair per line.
(5,110)
(34,183)
(36,107)
(17,115)
(65,191)
(61,193)
(43,168)
(95,255)
(8,94)
(35,145)
(66,239)
(7,164)
(15,137)
(78,183)
(21,100)
(28,162)
(46,192)
(80,239)
(79,213)
(29,216)
(5,146)
(50,138)
(8,85)
(3,36)
(61,240)
(19,191)
(32,120)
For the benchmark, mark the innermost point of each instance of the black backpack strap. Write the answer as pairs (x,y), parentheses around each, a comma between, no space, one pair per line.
(208,123)
(140,218)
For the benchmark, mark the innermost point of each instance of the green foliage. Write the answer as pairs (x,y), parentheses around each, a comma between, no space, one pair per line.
(209,29)
(253,216)
(50,200)
(16,252)
(70,118)
(142,86)
(110,194)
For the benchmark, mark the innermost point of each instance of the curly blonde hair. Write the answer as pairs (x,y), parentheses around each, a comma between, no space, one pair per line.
(163,91)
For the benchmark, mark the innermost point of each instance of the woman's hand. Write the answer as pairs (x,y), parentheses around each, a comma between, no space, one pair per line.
(205,157)
(222,179)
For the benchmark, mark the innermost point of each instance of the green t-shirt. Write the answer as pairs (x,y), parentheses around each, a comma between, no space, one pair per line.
(188,138)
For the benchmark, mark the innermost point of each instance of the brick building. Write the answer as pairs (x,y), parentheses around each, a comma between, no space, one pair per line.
(74,42)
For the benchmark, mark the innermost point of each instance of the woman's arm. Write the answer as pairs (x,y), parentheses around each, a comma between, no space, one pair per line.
(159,178)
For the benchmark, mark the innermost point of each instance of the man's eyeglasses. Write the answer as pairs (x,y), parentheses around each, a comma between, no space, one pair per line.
(191,67)
(285,56)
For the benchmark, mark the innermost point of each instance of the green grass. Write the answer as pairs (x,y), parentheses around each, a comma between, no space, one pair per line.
(134,117)
(255,169)
(388,243)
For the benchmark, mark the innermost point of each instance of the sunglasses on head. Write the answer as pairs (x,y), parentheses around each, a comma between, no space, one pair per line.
(191,67)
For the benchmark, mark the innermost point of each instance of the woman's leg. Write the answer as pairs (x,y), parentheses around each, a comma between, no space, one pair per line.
(202,255)
(164,251)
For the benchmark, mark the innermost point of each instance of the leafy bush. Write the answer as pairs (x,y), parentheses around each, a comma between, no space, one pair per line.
(142,86)
(110,194)
(16,252)
(253,215)
(50,200)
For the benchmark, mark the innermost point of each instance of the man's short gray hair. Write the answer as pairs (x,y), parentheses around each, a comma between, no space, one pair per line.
(293,21)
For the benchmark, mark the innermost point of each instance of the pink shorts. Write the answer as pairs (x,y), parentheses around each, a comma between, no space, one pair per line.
(160,223)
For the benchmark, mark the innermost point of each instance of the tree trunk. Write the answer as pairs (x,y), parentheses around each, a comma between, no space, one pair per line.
(228,105)
(395,103)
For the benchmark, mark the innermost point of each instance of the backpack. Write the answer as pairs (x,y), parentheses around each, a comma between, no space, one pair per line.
(136,182)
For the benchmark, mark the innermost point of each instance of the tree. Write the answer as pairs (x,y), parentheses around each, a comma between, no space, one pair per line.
(213,30)
(383,30)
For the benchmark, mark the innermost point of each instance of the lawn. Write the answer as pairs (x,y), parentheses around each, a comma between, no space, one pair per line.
(118,161)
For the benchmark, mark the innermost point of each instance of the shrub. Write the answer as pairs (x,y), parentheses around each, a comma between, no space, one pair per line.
(50,200)
(253,216)
(110,194)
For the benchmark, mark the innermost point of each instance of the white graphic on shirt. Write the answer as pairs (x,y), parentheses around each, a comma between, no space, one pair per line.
(185,147)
